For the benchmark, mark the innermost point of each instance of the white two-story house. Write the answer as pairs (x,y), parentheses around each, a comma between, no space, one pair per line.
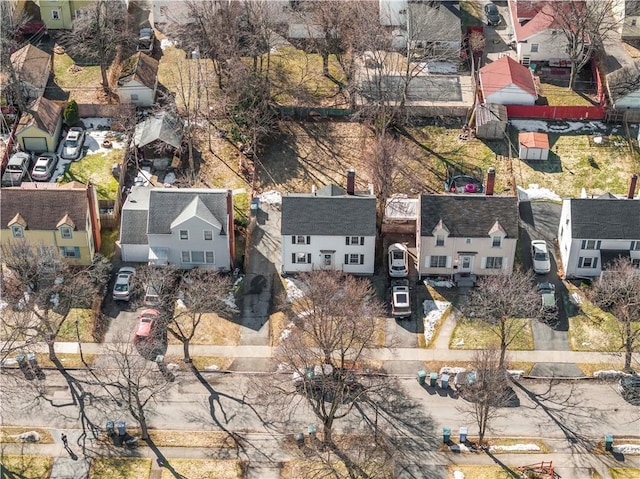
(595,231)
(330,228)
(185,227)
(464,236)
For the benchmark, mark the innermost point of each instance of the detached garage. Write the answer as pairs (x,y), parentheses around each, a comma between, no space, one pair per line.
(39,128)
(533,146)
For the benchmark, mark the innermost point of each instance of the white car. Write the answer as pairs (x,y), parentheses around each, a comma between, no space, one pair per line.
(72,146)
(45,166)
(122,286)
(398,261)
(540,257)
(400,298)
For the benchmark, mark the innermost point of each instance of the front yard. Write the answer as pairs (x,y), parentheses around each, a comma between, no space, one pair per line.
(478,335)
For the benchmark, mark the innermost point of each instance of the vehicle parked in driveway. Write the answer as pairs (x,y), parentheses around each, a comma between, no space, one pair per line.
(398,261)
(400,298)
(145,40)
(145,325)
(17,168)
(122,286)
(44,167)
(72,146)
(540,257)
(492,14)
(548,298)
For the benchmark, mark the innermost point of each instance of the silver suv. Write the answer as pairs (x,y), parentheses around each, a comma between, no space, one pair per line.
(17,168)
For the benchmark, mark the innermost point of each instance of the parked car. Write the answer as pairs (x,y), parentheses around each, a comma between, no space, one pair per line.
(400,298)
(122,286)
(629,387)
(72,146)
(540,257)
(17,168)
(145,40)
(548,297)
(492,14)
(44,167)
(145,325)
(398,261)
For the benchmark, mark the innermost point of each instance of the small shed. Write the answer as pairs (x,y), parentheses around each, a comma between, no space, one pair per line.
(533,146)
(491,121)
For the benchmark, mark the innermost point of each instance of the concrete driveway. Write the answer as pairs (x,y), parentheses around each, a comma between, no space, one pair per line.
(540,220)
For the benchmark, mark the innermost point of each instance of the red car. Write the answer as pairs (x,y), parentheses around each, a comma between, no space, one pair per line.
(146,322)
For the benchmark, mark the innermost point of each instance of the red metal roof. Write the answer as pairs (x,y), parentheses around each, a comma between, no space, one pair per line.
(504,72)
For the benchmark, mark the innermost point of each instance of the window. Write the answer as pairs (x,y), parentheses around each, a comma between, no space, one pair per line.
(354,240)
(208,235)
(184,234)
(635,246)
(587,262)
(534,47)
(635,262)
(197,256)
(55,14)
(300,239)
(70,252)
(354,259)
(17,231)
(494,262)
(440,240)
(65,232)
(301,258)
(186,257)
(208,257)
(467,241)
(438,262)
(134,97)
(497,242)
(590,244)
(634,22)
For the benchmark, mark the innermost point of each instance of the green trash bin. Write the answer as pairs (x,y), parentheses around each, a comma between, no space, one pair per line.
(422,376)
(608,442)
(433,380)
(446,435)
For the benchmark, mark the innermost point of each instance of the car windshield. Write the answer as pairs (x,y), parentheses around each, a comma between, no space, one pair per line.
(14,167)
(121,287)
(41,168)
(541,256)
(492,9)
(398,255)
(70,143)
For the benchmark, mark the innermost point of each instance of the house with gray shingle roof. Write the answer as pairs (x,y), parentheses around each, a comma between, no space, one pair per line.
(185,227)
(463,236)
(331,228)
(138,80)
(595,231)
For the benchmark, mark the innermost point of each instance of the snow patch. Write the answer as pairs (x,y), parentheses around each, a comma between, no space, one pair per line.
(286,332)
(627,449)
(97,123)
(433,311)
(534,192)
(460,448)
(295,289)
(212,367)
(458,475)
(608,374)
(439,283)
(271,197)
(451,370)
(515,447)
(586,127)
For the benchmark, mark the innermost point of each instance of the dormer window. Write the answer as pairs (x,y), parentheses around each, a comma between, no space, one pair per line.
(439,240)
(17,231)
(496,242)
(66,232)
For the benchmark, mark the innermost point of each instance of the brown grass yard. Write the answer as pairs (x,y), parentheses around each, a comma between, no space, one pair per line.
(26,467)
(8,431)
(109,468)
(203,469)
(214,330)
(478,335)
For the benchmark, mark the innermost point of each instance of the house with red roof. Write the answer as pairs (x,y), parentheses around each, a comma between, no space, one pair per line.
(538,31)
(507,82)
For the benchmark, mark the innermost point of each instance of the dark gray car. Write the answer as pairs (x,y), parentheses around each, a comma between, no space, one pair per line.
(492,14)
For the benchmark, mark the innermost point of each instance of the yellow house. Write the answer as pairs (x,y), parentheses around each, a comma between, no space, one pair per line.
(59,14)
(49,214)
(39,127)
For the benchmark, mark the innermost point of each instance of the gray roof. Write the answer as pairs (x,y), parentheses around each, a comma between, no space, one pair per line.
(167,204)
(330,212)
(133,227)
(435,22)
(595,218)
(469,216)
(163,127)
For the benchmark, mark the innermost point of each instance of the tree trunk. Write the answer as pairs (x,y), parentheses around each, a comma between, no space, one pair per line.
(325,64)
(573,75)
(628,345)
(52,352)
(144,429)
(328,432)
(185,350)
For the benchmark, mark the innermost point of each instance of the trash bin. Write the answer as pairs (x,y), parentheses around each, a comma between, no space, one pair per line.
(110,429)
(446,435)
(463,434)
(422,375)
(31,357)
(445,381)
(312,430)
(608,442)
(299,438)
(121,428)
(433,380)
(255,205)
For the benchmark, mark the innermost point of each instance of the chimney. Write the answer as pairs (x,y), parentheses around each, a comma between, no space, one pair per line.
(632,186)
(491,180)
(351,181)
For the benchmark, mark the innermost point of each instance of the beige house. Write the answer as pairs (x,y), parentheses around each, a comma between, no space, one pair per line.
(138,80)
(39,127)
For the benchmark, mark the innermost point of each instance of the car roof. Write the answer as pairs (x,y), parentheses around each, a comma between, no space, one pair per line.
(539,243)
(397,246)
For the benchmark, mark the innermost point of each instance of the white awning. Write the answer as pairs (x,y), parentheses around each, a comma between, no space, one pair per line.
(158,256)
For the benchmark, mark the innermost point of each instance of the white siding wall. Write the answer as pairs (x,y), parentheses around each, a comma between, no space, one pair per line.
(549,46)
(564,236)
(533,153)
(452,246)
(328,243)
(511,95)
(145,95)
(135,253)
(632,100)
(390,15)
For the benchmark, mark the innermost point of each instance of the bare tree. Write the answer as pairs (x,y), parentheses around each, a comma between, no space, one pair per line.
(617,291)
(502,301)
(583,25)
(10,25)
(487,389)
(201,292)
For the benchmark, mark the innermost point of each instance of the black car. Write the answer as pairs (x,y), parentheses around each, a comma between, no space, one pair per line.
(492,14)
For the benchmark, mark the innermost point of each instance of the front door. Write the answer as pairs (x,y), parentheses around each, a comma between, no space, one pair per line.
(327,261)
(465,262)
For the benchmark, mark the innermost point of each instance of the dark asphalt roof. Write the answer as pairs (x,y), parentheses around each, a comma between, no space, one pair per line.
(599,218)
(166,204)
(466,215)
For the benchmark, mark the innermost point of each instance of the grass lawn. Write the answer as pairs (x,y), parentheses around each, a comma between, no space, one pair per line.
(471,13)
(7,431)
(203,469)
(624,472)
(108,245)
(213,330)
(68,332)
(120,467)
(87,76)
(26,467)
(478,335)
(589,368)
(481,472)
(96,167)
(558,95)
(67,360)
(213,439)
